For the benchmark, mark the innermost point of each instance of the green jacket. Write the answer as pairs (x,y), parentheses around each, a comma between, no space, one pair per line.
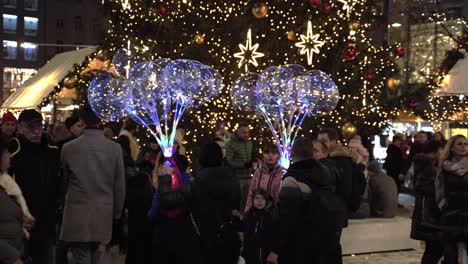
(238,153)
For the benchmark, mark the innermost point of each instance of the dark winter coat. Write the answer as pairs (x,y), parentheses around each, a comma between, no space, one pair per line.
(394,163)
(215,193)
(11,229)
(147,159)
(258,235)
(35,168)
(138,202)
(175,240)
(455,214)
(425,210)
(294,242)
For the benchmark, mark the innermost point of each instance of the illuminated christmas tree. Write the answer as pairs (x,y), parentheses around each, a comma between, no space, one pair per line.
(338,37)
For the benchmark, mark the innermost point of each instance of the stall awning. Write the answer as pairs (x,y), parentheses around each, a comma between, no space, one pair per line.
(32,92)
(456,81)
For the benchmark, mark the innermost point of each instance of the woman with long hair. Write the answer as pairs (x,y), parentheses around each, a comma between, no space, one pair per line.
(453,197)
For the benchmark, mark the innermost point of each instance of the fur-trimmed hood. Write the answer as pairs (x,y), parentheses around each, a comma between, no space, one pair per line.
(343,151)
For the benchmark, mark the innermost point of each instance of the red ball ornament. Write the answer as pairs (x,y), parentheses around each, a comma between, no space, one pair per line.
(400,52)
(351,51)
(314,3)
(443,68)
(163,10)
(413,104)
(369,76)
(327,7)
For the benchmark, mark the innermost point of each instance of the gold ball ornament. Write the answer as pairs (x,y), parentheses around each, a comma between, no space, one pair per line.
(69,82)
(199,39)
(393,83)
(259,10)
(348,130)
(354,25)
(291,35)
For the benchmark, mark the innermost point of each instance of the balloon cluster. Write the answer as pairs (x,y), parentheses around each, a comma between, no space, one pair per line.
(153,93)
(284,96)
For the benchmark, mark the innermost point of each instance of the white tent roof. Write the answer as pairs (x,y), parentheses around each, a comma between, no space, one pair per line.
(33,91)
(456,81)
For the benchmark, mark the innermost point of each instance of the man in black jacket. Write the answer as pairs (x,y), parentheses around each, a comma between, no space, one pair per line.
(301,237)
(35,166)
(394,162)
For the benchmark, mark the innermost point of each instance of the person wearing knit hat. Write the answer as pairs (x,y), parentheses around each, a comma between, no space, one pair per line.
(383,193)
(8,127)
(258,228)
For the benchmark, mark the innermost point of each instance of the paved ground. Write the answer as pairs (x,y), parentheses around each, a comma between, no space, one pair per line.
(406,257)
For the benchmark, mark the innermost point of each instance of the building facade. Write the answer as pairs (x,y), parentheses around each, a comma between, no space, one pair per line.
(21,31)
(33,31)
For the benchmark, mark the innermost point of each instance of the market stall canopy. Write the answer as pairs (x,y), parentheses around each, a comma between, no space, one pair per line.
(33,91)
(456,81)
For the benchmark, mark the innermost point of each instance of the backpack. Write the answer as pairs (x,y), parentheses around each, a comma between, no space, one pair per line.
(324,214)
(358,187)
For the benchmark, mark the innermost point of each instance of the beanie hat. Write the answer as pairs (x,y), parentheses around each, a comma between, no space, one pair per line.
(263,193)
(9,117)
(375,167)
(70,121)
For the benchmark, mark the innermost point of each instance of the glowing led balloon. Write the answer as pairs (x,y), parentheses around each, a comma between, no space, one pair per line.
(159,92)
(106,97)
(243,94)
(284,96)
(327,91)
(125,59)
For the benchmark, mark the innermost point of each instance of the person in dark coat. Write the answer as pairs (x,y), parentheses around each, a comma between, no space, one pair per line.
(216,193)
(452,197)
(138,202)
(35,165)
(394,163)
(175,239)
(295,243)
(147,156)
(258,228)
(425,211)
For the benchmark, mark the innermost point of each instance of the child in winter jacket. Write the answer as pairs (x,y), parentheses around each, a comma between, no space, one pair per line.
(258,229)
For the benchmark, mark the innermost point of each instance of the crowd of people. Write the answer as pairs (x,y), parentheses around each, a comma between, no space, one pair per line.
(78,191)
(435,170)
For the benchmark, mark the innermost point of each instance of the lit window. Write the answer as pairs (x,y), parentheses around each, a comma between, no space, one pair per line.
(30,4)
(9,23)
(31,26)
(30,51)
(10,49)
(9,3)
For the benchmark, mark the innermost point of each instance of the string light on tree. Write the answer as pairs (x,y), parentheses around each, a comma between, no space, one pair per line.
(248,54)
(309,43)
